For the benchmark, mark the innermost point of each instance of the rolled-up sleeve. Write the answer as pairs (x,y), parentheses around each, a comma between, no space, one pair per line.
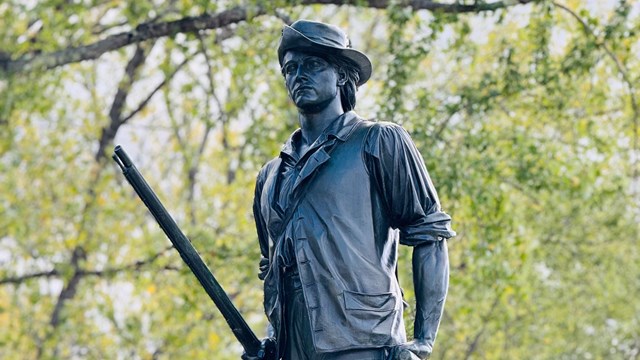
(398,170)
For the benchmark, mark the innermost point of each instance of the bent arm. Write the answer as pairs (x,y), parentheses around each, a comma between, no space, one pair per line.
(414,208)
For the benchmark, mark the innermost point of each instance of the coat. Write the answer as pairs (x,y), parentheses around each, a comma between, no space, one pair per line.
(361,181)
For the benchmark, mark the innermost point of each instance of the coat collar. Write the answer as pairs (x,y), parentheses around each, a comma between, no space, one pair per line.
(340,129)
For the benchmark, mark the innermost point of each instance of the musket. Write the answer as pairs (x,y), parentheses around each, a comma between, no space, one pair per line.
(247,338)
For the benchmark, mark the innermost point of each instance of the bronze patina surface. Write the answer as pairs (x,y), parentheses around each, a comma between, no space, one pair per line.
(332,209)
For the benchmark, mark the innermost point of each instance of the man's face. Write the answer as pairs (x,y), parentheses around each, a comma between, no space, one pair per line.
(312,83)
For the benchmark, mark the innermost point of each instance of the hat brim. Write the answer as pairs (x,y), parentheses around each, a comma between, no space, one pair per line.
(293,39)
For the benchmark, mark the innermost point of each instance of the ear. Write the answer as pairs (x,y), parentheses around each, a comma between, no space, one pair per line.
(342,77)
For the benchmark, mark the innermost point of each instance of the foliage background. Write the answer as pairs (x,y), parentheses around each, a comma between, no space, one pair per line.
(526,113)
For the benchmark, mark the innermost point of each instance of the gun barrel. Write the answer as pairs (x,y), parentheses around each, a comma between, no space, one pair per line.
(236,322)
(121,155)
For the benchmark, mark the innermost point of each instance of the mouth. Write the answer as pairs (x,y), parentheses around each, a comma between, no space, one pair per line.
(301,88)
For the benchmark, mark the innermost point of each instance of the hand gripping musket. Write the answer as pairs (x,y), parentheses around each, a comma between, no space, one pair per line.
(238,325)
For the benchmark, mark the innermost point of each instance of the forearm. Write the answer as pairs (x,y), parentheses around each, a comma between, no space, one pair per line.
(431,282)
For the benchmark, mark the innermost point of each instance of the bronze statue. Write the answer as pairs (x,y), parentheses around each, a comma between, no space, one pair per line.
(332,208)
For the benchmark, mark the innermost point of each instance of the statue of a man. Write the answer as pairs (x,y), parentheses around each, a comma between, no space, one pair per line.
(331,210)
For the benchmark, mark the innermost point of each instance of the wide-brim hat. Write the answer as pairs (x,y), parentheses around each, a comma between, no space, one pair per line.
(322,38)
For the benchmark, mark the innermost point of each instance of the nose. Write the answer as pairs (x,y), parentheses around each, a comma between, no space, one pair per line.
(301,72)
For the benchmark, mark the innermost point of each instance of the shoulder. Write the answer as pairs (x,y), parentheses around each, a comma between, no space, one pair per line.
(387,128)
(385,131)
(267,169)
(385,136)
(270,164)
(373,126)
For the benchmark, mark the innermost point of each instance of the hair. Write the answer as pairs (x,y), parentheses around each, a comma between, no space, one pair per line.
(348,90)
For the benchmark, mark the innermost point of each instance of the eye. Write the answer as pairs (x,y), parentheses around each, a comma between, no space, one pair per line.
(314,65)
(289,69)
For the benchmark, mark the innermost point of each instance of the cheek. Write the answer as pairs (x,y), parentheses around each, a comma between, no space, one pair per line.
(330,83)
(288,84)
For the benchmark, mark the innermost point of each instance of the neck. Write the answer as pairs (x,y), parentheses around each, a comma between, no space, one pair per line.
(313,123)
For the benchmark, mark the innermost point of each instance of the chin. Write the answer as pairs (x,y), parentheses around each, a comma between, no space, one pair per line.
(303,101)
(310,108)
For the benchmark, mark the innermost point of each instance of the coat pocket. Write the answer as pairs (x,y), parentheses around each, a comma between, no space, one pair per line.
(369,302)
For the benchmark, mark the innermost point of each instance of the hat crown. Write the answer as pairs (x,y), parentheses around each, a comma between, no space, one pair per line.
(325,34)
(317,37)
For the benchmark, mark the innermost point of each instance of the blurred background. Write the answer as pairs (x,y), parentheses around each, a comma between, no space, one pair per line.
(526,113)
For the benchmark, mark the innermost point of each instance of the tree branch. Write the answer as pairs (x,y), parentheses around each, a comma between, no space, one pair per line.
(154,91)
(133,266)
(223,118)
(107,135)
(137,265)
(485,319)
(142,32)
(434,6)
(119,101)
(154,30)
(622,69)
(23,278)
(69,290)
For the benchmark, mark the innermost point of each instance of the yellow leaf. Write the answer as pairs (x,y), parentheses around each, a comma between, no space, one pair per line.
(214,340)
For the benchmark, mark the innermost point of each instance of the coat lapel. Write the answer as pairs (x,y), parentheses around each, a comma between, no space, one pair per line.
(339,132)
(314,162)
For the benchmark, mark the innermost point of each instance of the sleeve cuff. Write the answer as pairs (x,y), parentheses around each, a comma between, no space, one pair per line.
(433,228)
